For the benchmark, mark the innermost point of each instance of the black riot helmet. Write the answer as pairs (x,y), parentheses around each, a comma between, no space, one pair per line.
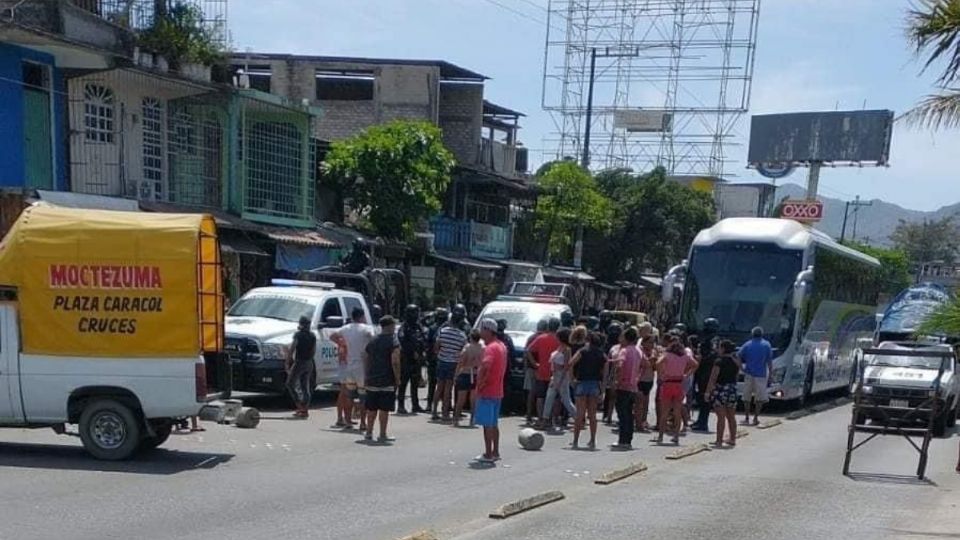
(411,314)
(711,326)
(458,314)
(501,325)
(566,319)
(376,312)
(593,323)
(440,316)
(606,317)
(613,332)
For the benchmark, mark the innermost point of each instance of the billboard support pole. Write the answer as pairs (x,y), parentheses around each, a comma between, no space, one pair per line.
(813,180)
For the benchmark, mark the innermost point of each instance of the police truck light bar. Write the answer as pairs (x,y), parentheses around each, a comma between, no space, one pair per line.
(296,283)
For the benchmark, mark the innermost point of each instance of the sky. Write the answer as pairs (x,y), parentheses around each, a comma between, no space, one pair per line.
(811,55)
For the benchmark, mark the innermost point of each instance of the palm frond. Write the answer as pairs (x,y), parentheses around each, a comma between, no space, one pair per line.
(936,111)
(935,24)
(945,320)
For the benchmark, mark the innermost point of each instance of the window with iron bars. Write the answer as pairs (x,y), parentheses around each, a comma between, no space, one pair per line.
(152,112)
(98,113)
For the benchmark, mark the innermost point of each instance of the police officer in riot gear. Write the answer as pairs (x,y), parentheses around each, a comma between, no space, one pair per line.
(567,320)
(412,343)
(357,260)
(707,354)
(606,318)
(440,317)
(458,317)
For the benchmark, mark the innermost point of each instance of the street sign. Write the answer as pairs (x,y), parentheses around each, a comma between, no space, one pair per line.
(803,211)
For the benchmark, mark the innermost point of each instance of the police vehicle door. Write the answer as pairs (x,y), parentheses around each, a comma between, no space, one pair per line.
(327,362)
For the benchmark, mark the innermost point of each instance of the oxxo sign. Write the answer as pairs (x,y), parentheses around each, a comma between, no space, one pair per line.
(805,211)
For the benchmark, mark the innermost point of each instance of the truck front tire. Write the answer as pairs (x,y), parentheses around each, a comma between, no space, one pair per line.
(109,429)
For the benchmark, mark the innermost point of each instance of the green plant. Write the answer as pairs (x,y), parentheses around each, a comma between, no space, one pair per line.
(395,174)
(568,198)
(179,35)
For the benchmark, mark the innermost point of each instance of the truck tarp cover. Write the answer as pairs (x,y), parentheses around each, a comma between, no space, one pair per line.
(95,283)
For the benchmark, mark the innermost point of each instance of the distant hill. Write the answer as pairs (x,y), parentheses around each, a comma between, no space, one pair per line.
(874,224)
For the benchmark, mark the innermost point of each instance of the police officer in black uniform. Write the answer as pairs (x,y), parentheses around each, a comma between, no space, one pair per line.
(701,378)
(412,340)
(440,317)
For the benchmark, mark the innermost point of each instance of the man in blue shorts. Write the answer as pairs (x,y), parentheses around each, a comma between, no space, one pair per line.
(490,390)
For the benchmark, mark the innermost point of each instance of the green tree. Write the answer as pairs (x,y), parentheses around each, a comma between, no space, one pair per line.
(568,199)
(395,174)
(895,266)
(653,223)
(179,35)
(927,240)
(933,27)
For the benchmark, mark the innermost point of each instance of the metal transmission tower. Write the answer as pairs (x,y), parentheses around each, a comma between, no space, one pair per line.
(671,80)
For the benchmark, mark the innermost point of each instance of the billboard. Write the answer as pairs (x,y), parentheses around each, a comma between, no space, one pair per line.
(642,121)
(832,138)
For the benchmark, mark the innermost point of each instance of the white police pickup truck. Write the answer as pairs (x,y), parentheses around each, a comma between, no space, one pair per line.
(260,328)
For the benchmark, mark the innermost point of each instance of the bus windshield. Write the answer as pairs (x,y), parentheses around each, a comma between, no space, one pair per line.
(742,285)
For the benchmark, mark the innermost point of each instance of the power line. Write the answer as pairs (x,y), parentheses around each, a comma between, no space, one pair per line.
(517,12)
(534,4)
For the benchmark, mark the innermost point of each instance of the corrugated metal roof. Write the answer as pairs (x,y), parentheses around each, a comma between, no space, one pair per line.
(68,199)
(300,237)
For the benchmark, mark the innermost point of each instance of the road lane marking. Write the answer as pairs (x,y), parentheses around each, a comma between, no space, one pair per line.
(687,451)
(619,474)
(528,503)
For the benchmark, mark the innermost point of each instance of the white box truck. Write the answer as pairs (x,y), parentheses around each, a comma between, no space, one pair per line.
(105,322)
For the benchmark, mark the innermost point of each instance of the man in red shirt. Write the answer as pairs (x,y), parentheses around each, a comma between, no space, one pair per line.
(538,356)
(490,390)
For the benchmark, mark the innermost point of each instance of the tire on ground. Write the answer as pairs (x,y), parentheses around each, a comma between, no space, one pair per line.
(109,429)
(162,433)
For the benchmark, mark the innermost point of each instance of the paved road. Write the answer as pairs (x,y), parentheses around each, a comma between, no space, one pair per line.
(302,479)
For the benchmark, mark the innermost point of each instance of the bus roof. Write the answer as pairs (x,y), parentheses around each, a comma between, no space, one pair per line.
(785,233)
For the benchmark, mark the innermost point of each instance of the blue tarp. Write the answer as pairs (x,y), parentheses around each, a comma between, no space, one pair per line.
(292,258)
(911,306)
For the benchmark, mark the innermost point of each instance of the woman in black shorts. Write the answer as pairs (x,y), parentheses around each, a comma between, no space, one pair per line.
(722,392)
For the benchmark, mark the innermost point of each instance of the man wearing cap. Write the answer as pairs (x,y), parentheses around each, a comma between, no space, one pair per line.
(490,390)
(757,358)
(299,366)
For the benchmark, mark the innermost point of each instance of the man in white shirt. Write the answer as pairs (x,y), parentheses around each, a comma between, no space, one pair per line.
(352,341)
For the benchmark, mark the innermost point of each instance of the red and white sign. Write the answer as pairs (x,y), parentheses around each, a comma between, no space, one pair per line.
(805,211)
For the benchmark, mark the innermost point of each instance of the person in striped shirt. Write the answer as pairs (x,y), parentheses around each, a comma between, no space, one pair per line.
(450,342)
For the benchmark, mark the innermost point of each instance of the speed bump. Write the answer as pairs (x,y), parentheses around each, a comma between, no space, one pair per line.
(529,503)
(770,423)
(620,474)
(687,451)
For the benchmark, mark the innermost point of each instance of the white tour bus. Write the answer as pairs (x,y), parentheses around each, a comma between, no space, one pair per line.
(815,299)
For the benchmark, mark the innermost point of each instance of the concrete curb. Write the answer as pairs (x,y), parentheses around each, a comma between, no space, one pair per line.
(529,503)
(770,424)
(795,415)
(741,433)
(422,535)
(687,451)
(822,407)
(620,474)
(839,402)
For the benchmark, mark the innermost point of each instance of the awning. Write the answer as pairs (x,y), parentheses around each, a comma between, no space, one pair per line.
(82,201)
(563,273)
(223,219)
(239,244)
(300,237)
(466,261)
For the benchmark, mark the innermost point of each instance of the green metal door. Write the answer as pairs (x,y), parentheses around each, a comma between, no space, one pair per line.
(37,153)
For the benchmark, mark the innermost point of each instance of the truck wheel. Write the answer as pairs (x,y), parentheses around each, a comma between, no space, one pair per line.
(109,430)
(952,414)
(940,424)
(162,434)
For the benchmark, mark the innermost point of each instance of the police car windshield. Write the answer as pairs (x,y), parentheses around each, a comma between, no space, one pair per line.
(272,307)
(522,318)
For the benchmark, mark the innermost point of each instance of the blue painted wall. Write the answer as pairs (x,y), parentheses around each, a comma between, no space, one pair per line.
(11,116)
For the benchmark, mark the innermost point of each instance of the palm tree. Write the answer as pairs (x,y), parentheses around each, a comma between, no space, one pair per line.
(933,26)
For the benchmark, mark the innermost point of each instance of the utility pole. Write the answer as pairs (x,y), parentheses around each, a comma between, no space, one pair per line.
(856,204)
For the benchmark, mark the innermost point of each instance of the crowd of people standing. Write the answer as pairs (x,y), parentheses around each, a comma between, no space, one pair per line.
(590,371)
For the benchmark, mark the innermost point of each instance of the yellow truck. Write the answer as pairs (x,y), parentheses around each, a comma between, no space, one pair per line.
(107,320)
